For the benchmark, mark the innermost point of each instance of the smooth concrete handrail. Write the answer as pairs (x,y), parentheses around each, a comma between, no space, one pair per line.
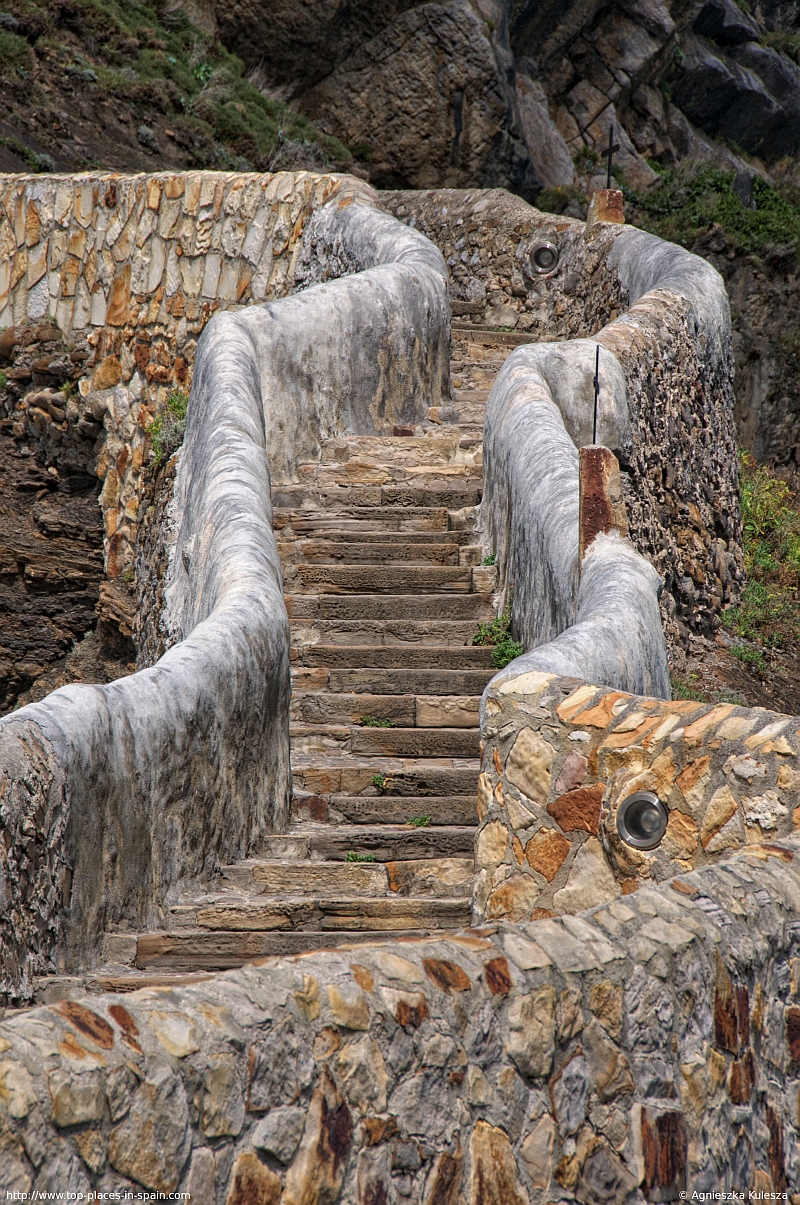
(123,794)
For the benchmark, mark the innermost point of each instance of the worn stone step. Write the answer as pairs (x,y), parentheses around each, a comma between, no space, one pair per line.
(398,520)
(219,951)
(384,632)
(410,681)
(256,914)
(373,533)
(453,495)
(333,552)
(374,656)
(392,843)
(315,879)
(384,579)
(385,809)
(366,740)
(476,607)
(404,711)
(342,775)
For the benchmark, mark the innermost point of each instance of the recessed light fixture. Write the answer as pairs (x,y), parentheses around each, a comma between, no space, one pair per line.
(642,820)
(543,258)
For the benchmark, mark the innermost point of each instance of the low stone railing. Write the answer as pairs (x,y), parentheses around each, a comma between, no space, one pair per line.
(645,1048)
(114,796)
(560,757)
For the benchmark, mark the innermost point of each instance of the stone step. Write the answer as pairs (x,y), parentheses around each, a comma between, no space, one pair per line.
(384,632)
(304,913)
(291,878)
(49,989)
(405,711)
(384,742)
(385,809)
(409,681)
(476,607)
(443,493)
(331,552)
(215,951)
(374,656)
(396,472)
(320,774)
(392,843)
(388,579)
(373,533)
(398,520)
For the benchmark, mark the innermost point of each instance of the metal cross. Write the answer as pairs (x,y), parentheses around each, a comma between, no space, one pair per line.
(609,152)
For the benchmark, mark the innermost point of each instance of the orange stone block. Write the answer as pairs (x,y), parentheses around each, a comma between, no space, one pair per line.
(601,715)
(546,852)
(119,298)
(578,810)
(622,740)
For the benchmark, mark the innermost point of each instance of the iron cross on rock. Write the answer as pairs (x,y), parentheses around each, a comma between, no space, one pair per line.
(608,153)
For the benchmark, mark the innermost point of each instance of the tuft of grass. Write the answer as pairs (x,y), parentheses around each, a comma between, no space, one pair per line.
(369,721)
(167,429)
(3,381)
(750,656)
(420,821)
(379,781)
(498,633)
(769,611)
(352,855)
(684,688)
(489,560)
(694,198)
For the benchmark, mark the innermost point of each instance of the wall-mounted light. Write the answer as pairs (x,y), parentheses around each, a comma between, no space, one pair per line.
(642,820)
(543,258)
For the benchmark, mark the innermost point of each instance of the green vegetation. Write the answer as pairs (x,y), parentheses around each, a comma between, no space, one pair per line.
(149,52)
(353,856)
(420,821)
(689,687)
(785,40)
(769,612)
(498,633)
(167,428)
(3,380)
(369,721)
(694,198)
(488,560)
(378,781)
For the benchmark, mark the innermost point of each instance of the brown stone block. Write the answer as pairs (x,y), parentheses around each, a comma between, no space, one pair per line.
(578,809)
(601,715)
(498,977)
(107,374)
(602,508)
(119,298)
(606,205)
(448,976)
(793,1033)
(546,852)
(665,1149)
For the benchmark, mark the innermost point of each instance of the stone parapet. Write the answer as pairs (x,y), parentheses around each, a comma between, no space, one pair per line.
(643,1050)
(560,757)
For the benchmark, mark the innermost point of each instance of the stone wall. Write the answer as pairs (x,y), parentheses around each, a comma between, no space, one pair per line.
(663,315)
(114,798)
(640,1051)
(131,268)
(561,755)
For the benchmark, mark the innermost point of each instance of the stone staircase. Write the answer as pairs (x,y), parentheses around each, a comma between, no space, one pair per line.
(385,589)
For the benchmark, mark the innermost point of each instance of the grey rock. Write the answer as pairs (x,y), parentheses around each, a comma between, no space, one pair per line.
(571,1092)
(153,1143)
(279,1133)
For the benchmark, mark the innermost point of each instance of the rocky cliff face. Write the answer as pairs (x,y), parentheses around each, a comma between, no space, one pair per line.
(521,93)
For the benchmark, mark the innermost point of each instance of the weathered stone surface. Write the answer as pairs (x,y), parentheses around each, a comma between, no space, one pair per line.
(153,1142)
(578,810)
(514,899)
(319,1165)
(529,765)
(531,1032)
(590,881)
(493,1170)
(570,1092)
(362,1074)
(546,852)
(605,1001)
(76,1098)
(608,1066)
(537,1152)
(252,1183)
(223,1100)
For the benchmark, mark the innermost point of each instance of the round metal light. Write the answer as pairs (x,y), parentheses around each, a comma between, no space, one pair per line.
(642,820)
(543,258)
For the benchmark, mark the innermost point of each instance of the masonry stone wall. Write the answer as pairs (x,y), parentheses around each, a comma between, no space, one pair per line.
(663,314)
(115,797)
(640,1051)
(560,756)
(131,268)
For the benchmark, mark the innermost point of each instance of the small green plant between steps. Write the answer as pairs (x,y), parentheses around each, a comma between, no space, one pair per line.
(378,781)
(498,633)
(420,821)
(167,429)
(370,721)
(489,560)
(352,855)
